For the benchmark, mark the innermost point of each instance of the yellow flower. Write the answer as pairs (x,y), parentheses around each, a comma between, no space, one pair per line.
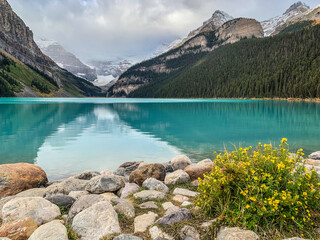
(248,206)
(284,140)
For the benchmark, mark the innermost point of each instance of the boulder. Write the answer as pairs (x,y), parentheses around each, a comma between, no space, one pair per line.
(196,171)
(109,196)
(87,175)
(154,184)
(18,177)
(125,208)
(148,195)
(106,173)
(33,192)
(148,205)
(62,200)
(177,177)
(19,229)
(40,209)
(103,184)
(184,192)
(189,233)
(236,233)
(129,188)
(97,221)
(84,203)
(127,168)
(156,233)
(127,237)
(168,167)
(315,156)
(142,222)
(54,230)
(141,174)
(66,186)
(181,215)
(78,194)
(180,162)
(180,198)
(3,201)
(313,162)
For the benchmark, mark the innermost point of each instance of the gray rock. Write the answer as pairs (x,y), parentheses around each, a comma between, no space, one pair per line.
(194,183)
(168,167)
(172,210)
(175,217)
(177,177)
(142,222)
(154,184)
(184,192)
(156,233)
(33,192)
(3,201)
(97,221)
(148,195)
(127,168)
(315,156)
(102,184)
(84,203)
(236,233)
(78,194)
(129,188)
(148,205)
(40,209)
(62,200)
(189,233)
(54,230)
(87,175)
(127,237)
(180,162)
(65,187)
(109,196)
(186,204)
(125,208)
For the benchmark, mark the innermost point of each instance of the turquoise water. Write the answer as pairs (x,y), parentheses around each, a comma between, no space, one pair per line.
(67,136)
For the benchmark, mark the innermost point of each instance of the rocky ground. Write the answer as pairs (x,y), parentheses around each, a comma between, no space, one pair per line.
(137,201)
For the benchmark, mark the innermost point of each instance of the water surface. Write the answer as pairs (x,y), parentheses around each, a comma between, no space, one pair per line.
(67,136)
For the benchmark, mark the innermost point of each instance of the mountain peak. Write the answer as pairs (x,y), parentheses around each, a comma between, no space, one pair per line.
(219,17)
(297,5)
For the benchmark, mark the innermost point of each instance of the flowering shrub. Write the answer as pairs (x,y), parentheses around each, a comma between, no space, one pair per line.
(263,189)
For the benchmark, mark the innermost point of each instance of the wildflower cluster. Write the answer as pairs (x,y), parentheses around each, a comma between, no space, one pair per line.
(263,188)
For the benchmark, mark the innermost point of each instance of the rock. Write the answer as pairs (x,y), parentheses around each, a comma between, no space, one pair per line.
(148,205)
(154,184)
(109,196)
(167,205)
(196,171)
(177,177)
(189,233)
(103,184)
(295,238)
(180,162)
(127,237)
(4,238)
(141,174)
(168,167)
(3,201)
(125,208)
(185,192)
(236,233)
(194,183)
(129,188)
(78,194)
(172,210)
(18,177)
(178,216)
(64,218)
(206,225)
(84,203)
(62,200)
(33,192)
(315,156)
(40,209)
(19,229)
(106,173)
(148,195)
(87,175)
(65,187)
(186,204)
(97,221)
(313,162)
(180,198)
(54,230)
(142,222)
(127,168)
(156,233)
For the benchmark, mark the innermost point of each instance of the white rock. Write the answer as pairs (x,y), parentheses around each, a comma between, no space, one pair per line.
(167,205)
(180,162)
(40,209)
(154,184)
(125,208)
(109,196)
(236,233)
(315,156)
(128,189)
(33,192)
(185,192)
(189,233)
(172,210)
(186,204)
(156,233)
(103,184)
(150,195)
(66,186)
(180,198)
(148,205)
(96,222)
(142,222)
(177,177)
(127,237)
(54,230)
(206,225)
(78,194)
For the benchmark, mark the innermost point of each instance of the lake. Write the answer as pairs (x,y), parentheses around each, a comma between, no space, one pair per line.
(67,136)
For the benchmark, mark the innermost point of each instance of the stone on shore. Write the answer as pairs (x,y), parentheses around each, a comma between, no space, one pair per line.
(236,233)
(66,186)
(87,175)
(40,209)
(127,237)
(125,208)
(18,177)
(196,171)
(168,167)
(103,184)
(180,162)
(148,195)
(127,168)
(313,162)
(97,221)
(184,192)
(54,230)
(146,171)
(142,222)
(129,188)
(189,233)
(109,196)
(315,156)
(156,233)
(62,200)
(78,194)
(106,173)
(154,184)
(177,177)
(148,205)
(33,192)
(84,203)
(20,229)
(175,217)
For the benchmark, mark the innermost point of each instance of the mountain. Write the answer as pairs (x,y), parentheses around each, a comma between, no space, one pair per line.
(66,60)
(20,52)
(270,26)
(185,55)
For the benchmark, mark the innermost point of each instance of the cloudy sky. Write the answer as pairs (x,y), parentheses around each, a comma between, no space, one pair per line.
(104,29)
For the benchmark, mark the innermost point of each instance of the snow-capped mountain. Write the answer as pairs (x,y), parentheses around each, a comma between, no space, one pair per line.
(66,59)
(270,26)
(164,47)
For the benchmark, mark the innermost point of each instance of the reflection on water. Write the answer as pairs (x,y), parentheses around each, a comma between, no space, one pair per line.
(72,136)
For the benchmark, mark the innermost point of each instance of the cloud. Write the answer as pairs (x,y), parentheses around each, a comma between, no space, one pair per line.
(103,29)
